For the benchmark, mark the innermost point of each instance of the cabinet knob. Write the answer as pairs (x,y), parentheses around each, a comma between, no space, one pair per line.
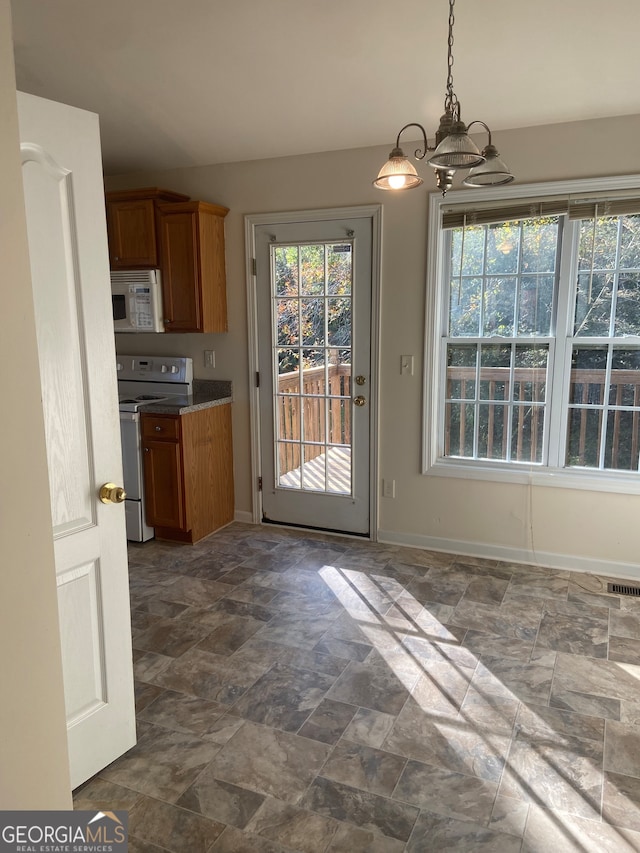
(158,429)
(167,321)
(146,450)
(116,258)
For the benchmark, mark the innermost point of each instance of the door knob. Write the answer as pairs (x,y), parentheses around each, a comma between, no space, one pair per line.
(359,400)
(112,494)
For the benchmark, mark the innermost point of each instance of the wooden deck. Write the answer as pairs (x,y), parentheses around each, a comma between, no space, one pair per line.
(335,465)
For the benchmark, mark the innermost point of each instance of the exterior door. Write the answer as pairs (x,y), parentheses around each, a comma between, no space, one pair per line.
(64,200)
(314,284)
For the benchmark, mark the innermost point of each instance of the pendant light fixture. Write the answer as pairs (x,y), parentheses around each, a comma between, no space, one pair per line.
(454,149)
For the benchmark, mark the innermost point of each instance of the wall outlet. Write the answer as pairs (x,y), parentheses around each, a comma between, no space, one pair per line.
(209,358)
(406,365)
(388,488)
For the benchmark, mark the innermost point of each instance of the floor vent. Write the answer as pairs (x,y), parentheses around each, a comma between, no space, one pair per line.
(620,589)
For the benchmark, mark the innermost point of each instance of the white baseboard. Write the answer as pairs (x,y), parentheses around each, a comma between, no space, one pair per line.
(244,517)
(590,565)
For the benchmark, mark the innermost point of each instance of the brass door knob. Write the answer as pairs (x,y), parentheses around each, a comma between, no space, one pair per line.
(359,400)
(112,494)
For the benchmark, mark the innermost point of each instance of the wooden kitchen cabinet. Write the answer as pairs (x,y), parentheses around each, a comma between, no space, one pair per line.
(188,472)
(132,226)
(194,288)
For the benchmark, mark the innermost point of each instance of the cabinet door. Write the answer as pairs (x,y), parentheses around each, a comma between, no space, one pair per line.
(181,290)
(163,484)
(132,234)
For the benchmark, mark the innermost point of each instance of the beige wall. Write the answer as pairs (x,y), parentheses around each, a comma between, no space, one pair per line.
(33,745)
(504,520)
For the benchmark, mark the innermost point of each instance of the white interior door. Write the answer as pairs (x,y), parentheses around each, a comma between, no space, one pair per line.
(313,283)
(64,198)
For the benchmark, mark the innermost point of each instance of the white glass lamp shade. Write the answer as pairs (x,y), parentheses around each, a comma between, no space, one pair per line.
(456,151)
(397,173)
(491,173)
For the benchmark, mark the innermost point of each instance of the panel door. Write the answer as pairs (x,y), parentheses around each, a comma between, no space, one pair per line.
(314,321)
(64,199)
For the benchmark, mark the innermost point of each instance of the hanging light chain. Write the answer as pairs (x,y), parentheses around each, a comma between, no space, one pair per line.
(451,100)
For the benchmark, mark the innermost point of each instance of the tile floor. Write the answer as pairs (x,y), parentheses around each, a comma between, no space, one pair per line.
(308,693)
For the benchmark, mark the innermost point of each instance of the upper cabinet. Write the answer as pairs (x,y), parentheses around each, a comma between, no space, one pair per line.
(194,288)
(132,226)
(153,228)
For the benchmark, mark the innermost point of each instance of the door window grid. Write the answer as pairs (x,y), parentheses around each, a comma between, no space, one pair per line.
(603,416)
(312,315)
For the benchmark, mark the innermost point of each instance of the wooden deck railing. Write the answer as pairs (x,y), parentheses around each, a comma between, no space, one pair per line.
(587,389)
(289,405)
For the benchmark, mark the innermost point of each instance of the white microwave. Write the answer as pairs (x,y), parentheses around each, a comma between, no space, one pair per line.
(136,297)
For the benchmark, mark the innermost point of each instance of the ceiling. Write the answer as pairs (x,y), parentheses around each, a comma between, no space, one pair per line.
(193,82)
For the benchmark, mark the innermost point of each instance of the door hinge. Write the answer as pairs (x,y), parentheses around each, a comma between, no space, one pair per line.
(259,484)
(254,266)
(257,378)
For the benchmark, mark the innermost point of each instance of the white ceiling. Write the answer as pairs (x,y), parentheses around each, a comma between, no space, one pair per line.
(193,82)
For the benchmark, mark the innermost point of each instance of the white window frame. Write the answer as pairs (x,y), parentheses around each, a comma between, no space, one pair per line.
(436,319)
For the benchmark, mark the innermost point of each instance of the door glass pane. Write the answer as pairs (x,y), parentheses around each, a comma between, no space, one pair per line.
(339,421)
(339,470)
(339,321)
(312,270)
(312,316)
(289,422)
(312,322)
(289,465)
(313,372)
(314,420)
(314,468)
(287,322)
(286,271)
(339,261)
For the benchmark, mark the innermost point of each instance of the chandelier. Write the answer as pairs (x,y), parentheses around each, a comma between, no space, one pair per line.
(454,149)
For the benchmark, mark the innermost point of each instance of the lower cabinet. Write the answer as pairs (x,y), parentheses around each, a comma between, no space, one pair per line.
(188,472)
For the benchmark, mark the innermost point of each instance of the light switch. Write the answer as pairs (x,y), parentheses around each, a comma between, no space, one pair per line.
(209,358)
(406,365)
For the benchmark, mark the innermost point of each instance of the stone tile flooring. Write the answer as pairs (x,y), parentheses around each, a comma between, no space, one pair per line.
(302,692)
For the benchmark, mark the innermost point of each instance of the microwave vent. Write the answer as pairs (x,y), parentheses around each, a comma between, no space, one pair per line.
(133,276)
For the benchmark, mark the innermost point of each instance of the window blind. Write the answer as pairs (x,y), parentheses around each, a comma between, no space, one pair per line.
(576,207)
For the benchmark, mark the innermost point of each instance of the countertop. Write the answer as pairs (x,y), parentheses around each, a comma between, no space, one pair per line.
(206,393)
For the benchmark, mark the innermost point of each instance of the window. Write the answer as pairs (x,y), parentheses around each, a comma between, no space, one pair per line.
(536,351)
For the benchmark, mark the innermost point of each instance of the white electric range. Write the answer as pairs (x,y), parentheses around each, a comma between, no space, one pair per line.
(143,381)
